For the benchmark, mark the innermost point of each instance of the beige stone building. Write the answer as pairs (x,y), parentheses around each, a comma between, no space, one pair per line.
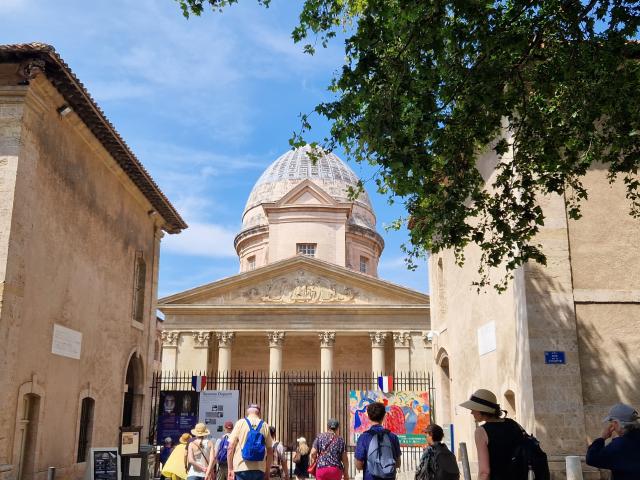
(80,228)
(585,303)
(307,297)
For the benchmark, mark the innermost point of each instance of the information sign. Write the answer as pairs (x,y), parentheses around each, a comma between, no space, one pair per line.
(554,358)
(105,464)
(218,407)
(66,342)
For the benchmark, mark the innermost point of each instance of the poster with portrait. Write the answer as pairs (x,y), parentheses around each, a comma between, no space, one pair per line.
(407,414)
(104,464)
(218,407)
(178,413)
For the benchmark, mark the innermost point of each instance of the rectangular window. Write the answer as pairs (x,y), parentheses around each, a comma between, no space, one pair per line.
(306,249)
(251,262)
(86,426)
(139,288)
(364,264)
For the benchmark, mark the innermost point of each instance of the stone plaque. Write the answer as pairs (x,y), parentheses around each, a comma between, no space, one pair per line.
(487,338)
(66,342)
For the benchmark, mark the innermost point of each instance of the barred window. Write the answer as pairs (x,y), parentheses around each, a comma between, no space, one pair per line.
(139,288)
(306,249)
(86,427)
(364,264)
(251,262)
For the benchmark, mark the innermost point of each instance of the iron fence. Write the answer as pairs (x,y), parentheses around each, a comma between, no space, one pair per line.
(298,404)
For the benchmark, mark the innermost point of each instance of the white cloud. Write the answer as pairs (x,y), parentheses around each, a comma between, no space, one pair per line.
(202,240)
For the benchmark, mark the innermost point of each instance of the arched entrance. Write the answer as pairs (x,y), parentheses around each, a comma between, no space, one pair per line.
(444,387)
(133,392)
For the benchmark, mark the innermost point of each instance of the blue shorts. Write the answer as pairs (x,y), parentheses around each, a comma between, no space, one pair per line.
(250,475)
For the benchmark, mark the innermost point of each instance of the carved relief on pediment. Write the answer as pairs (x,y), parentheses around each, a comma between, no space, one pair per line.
(300,288)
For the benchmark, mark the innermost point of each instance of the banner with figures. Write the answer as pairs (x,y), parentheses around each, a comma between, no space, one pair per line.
(408,414)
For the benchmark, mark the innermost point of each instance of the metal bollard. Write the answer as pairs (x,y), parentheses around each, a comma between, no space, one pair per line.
(51,473)
(464,459)
(574,467)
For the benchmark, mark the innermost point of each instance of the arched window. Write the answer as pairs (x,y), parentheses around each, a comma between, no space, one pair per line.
(139,288)
(510,403)
(86,428)
(29,436)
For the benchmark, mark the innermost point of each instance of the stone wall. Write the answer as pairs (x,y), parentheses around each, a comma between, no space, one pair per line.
(77,224)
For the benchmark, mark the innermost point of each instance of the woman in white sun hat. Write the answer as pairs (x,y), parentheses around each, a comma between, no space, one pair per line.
(200,454)
(495,437)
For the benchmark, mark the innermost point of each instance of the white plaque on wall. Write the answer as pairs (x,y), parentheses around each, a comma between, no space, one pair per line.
(66,342)
(487,338)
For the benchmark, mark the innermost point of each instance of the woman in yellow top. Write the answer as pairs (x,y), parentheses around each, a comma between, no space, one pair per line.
(175,468)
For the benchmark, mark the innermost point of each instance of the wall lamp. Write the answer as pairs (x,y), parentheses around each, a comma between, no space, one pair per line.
(64,110)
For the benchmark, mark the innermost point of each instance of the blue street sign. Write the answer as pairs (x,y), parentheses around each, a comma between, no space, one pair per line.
(554,358)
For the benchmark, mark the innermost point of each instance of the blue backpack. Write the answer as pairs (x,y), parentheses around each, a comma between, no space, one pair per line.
(381,462)
(221,457)
(254,449)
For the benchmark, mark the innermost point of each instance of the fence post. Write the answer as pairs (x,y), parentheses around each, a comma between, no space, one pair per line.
(464,459)
(574,467)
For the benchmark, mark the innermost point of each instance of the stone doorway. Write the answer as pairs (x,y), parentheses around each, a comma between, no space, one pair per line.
(302,412)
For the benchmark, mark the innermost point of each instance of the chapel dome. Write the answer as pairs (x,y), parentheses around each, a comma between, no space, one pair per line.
(328,172)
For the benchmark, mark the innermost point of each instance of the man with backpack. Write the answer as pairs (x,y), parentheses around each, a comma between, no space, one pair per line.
(221,451)
(378,450)
(437,462)
(250,448)
(278,469)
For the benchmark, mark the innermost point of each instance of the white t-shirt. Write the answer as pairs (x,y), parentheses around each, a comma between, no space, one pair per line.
(201,456)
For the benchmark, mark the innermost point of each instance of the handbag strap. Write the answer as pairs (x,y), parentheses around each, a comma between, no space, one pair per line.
(325,449)
(202,452)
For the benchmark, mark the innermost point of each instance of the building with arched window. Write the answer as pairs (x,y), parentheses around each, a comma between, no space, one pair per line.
(80,228)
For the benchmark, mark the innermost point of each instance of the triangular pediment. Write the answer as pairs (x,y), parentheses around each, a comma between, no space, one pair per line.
(306,193)
(298,281)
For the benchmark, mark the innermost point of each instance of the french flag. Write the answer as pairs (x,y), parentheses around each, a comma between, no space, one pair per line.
(199,382)
(385,383)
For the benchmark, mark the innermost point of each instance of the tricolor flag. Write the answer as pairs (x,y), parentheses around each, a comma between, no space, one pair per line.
(385,383)
(199,382)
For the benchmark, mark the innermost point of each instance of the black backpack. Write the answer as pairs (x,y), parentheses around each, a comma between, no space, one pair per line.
(527,455)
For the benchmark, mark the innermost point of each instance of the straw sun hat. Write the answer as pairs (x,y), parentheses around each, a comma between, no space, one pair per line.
(482,401)
(200,430)
(184,438)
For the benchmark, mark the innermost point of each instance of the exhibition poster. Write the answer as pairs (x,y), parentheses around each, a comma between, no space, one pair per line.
(218,407)
(178,414)
(407,414)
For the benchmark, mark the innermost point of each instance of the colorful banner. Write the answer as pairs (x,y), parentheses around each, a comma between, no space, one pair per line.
(407,414)
(178,414)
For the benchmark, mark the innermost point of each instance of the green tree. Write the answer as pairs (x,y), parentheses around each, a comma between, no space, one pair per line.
(552,86)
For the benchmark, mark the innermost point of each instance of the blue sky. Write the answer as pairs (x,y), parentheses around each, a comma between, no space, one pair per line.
(206,104)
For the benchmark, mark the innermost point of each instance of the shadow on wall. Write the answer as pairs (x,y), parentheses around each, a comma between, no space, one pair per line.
(606,351)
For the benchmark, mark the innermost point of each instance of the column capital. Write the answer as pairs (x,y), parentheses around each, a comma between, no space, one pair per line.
(402,339)
(169,338)
(378,339)
(225,339)
(327,339)
(201,339)
(276,338)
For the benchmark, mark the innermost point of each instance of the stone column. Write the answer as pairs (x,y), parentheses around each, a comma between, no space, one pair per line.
(378,340)
(276,341)
(200,351)
(225,341)
(327,341)
(169,350)
(402,347)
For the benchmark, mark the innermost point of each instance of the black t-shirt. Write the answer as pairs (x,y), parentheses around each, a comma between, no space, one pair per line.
(504,436)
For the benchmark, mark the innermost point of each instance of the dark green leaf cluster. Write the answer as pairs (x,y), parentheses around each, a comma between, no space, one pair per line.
(433,90)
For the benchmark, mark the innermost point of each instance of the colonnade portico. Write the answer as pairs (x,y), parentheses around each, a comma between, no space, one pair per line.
(197,345)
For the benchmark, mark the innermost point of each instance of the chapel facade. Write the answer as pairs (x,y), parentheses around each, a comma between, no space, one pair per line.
(308,296)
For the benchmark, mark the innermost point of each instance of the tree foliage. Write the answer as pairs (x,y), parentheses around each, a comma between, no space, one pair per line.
(552,86)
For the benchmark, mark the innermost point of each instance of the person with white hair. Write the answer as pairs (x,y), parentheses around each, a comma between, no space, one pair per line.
(622,454)
(250,447)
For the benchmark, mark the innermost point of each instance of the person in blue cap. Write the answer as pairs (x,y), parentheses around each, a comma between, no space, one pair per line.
(622,454)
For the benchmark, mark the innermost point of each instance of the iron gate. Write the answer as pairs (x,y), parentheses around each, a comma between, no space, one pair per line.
(296,403)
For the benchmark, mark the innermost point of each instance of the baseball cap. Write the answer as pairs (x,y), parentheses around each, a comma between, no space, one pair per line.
(254,405)
(228,424)
(332,424)
(623,413)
